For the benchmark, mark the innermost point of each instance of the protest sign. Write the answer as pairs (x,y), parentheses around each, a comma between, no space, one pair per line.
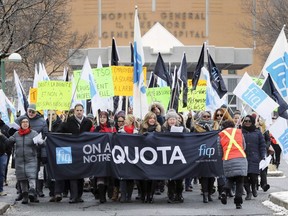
(161,95)
(196,99)
(54,95)
(123,80)
(104,81)
(83,89)
(33,95)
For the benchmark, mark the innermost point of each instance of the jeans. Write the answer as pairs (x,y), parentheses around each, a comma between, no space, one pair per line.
(3,162)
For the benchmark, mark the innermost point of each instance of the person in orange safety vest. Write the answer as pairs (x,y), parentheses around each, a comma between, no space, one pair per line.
(234,161)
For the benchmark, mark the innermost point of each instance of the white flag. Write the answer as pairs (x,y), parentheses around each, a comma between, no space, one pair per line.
(255,97)
(213,101)
(277,65)
(21,97)
(279,130)
(140,106)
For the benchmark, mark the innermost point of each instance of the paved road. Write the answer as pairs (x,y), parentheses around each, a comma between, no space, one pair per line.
(193,204)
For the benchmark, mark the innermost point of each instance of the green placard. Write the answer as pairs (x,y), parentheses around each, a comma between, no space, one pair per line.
(54,95)
(196,99)
(104,81)
(161,95)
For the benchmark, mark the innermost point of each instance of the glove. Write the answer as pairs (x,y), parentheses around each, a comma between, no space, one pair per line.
(44,160)
(41,141)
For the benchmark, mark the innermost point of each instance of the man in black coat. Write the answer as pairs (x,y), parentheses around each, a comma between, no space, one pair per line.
(76,124)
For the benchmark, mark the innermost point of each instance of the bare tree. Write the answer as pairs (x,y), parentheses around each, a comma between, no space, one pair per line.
(39,30)
(267,19)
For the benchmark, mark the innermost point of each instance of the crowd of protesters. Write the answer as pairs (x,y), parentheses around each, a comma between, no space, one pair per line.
(244,140)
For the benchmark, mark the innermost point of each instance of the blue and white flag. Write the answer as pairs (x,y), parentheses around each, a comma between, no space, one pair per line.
(3,108)
(255,97)
(140,106)
(213,101)
(277,65)
(43,76)
(279,130)
(22,100)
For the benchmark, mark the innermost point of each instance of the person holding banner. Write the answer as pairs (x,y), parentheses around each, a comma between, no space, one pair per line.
(76,124)
(102,182)
(147,187)
(26,162)
(234,161)
(204,124)
(255,151)
(54,186)
(126,186)
(175,187)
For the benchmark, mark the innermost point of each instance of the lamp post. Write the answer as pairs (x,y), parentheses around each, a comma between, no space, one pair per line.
(14,57)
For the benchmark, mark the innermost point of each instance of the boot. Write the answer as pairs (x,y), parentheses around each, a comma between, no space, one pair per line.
(39,188)
(102,193)
(210,197)
(238,201)
(33,195)
(248,192)
(19,197)
(123,191)
(115,194)
(205,197)
(223,198)
(130,186)
(25,198)
(254,190)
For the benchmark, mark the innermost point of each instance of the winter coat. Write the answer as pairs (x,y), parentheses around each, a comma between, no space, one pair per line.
(166,128)
(236,163)
(55,125)
(73,126)
(255,149)
(145,128)
(25,155)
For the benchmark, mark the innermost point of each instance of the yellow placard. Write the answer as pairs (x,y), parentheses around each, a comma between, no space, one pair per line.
(196,100)
(33,95)
(123,80)
(54,95)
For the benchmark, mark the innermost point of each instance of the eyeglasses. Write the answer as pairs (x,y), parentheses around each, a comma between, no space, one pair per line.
(248,121)
(120,121)
(32,111)
(219,115)
(206,116)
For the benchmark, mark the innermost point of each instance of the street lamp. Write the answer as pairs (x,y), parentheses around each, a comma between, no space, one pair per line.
(14,57)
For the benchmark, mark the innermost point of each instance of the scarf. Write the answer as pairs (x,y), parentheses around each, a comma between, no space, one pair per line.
(129,129)
(23,132)
(105,129)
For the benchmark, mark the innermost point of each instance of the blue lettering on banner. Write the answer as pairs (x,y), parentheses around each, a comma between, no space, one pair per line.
(204,151)
(283,139)
(253,96)
(278,71)
(63,155)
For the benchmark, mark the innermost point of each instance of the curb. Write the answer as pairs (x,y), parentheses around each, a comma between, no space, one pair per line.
(279,198)
(275,174)
(3,207)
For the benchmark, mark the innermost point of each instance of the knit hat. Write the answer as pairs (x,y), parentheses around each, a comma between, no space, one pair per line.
(90,116)
(121,113)
(21,118)
(32,107)
(171,114)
